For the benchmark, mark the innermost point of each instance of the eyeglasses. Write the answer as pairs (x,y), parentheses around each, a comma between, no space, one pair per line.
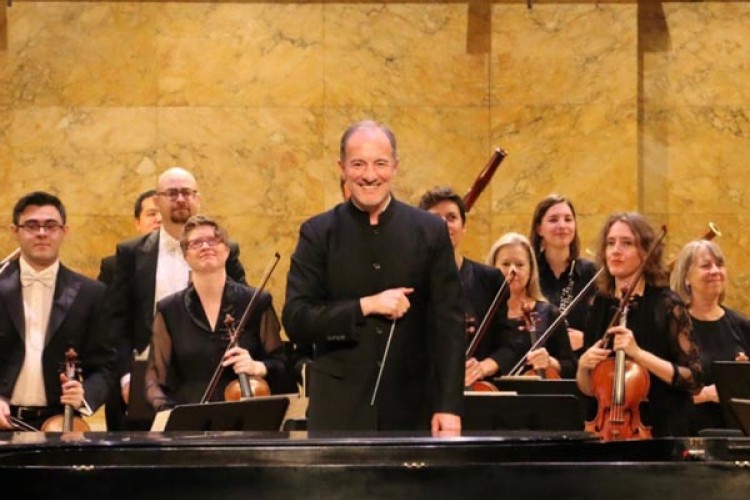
(33,226)
(173,194)
(197,244)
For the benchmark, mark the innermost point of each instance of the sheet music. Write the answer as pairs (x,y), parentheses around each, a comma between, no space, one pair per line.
(160,420)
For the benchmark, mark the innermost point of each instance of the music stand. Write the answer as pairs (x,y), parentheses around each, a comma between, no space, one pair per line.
(498,411)
(535,385)
(255,414)
(741,410)
(732,380)
(140,412)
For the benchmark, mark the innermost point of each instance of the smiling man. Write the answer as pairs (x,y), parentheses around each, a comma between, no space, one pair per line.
(370,273)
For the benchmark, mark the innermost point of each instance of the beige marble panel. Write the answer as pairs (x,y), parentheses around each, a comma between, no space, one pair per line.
(707,149)
(401,55)
(81,54)
(563,53)
(260,160)
(229,54)
(708,61)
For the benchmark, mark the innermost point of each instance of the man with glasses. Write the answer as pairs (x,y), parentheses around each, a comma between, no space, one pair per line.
(149,268)
(48,309)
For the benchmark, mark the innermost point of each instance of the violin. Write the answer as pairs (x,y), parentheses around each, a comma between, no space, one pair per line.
(502,293)
(552,328)
(531,318)
(619,384)
(68,421)
(245,386)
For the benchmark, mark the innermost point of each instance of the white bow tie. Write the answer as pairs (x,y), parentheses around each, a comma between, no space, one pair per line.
(46,277)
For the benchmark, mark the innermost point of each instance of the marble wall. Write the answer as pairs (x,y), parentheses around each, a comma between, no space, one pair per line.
(621,105)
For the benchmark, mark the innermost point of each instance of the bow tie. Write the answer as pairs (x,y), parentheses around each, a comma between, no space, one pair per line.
(46,277)
(172,245)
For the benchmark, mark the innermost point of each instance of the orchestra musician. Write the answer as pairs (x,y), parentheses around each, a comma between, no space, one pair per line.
(723,334)
(498,352)
(147,218)
(148,268)
(657,334)
(563,273)
(190,334)
(46,310)
(367,278)
(479,282)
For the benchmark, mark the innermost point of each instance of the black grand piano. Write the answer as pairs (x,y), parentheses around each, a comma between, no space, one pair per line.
(496,464)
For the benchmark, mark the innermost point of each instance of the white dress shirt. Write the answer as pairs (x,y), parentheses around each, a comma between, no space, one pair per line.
(38,289)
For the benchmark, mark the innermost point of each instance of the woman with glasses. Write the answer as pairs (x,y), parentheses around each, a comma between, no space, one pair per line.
(190,332)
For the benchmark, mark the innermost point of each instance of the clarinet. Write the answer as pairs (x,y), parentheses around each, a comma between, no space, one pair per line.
(566,295)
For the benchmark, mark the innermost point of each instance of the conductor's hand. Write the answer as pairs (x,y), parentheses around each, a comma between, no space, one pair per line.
(446,425)
(5,415)
(392,303)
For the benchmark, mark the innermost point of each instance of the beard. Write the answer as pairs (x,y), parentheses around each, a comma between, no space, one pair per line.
(180,215)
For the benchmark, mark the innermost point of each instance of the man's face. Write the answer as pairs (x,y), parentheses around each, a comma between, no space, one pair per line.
(368,168)
(40,233)
(178,198)
(150,217)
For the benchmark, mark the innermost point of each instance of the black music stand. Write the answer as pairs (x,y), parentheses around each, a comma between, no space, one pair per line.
(535,385)
(732,380)
(741,411)
(255,414)
(535,412)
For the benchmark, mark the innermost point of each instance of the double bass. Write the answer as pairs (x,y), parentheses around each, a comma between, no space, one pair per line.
(620,384)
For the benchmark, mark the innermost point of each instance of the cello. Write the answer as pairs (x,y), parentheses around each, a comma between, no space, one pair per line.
(68,421)
(619,384)
(245,386)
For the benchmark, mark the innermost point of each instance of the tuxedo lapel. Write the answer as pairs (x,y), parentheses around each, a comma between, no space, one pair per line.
(146,258)
(12,298)
(66,291)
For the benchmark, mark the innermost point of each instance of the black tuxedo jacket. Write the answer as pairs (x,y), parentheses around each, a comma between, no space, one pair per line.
(107,270)
(76,320)
(130,297)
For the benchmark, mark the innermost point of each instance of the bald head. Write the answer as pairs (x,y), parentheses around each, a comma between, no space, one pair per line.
(177,199)
(175,174)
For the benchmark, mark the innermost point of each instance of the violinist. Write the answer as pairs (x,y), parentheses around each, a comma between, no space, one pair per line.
(502,348)
(657,333)
(563,273)
(700,278)
(48,309)
(190,329)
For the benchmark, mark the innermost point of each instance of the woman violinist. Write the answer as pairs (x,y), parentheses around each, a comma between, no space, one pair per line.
(700,278)
(563,273)
(657,333)
(510,339)
(190,329)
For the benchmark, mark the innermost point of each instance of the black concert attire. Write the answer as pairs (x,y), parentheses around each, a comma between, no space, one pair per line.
(509,341)
(661,325)
(561,290)
(720,340)
(185,351)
